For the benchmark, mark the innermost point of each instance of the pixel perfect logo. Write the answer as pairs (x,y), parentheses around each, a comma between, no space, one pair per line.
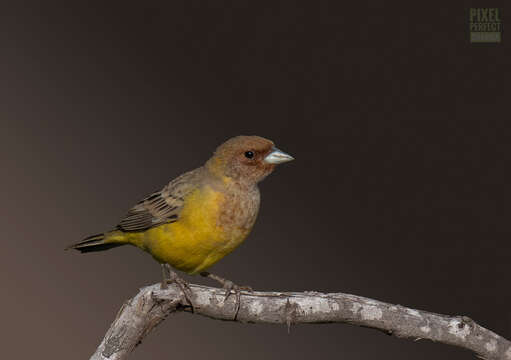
(485,25)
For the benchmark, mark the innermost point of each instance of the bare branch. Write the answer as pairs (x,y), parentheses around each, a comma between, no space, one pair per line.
(152,305)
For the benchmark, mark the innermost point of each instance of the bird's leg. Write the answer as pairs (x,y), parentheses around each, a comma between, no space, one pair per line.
(229,286)
(169,277)
(164,277)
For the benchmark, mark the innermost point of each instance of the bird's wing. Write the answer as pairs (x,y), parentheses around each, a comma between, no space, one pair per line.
(162,206)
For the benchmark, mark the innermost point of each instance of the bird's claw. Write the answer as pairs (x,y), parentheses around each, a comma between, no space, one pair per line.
(170,277)
(231,287)
(185,290)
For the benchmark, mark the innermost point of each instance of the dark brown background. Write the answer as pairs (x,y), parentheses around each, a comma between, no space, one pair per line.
(400,190)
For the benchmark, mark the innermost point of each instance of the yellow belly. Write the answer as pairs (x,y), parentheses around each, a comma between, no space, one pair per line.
(196,241)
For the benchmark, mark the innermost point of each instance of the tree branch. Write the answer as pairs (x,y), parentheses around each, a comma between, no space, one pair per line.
(151,305)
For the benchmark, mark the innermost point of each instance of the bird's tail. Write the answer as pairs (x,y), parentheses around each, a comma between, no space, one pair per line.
(98,242)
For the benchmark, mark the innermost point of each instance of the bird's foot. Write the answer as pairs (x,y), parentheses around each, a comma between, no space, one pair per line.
(170,277)
(230,288)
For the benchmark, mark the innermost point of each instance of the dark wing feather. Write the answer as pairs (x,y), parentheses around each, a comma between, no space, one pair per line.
(162,206)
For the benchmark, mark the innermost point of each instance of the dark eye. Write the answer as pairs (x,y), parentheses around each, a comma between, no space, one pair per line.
(249,154)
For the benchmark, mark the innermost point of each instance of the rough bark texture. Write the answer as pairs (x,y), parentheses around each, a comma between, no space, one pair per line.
(151,305)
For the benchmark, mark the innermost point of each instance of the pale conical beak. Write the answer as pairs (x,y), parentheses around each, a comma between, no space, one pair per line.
(277,157)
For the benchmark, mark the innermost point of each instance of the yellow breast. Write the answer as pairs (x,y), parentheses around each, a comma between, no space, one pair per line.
(197,240)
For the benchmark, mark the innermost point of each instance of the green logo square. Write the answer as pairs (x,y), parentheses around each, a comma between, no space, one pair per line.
(485,25)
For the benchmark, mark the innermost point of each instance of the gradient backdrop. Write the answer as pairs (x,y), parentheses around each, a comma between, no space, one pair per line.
(400,190)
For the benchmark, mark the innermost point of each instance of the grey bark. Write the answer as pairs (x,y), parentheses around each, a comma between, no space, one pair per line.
(138,316)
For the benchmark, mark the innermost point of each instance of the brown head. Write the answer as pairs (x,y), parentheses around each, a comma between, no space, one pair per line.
(246,159)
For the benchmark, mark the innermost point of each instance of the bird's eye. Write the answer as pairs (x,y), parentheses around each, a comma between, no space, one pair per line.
(249,154)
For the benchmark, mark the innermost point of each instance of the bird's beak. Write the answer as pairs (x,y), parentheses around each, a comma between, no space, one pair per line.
(277,157)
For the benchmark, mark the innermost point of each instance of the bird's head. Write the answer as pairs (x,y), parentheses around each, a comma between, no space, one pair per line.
(246,159)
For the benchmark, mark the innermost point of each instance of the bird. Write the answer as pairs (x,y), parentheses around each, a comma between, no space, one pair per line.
(199,217)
